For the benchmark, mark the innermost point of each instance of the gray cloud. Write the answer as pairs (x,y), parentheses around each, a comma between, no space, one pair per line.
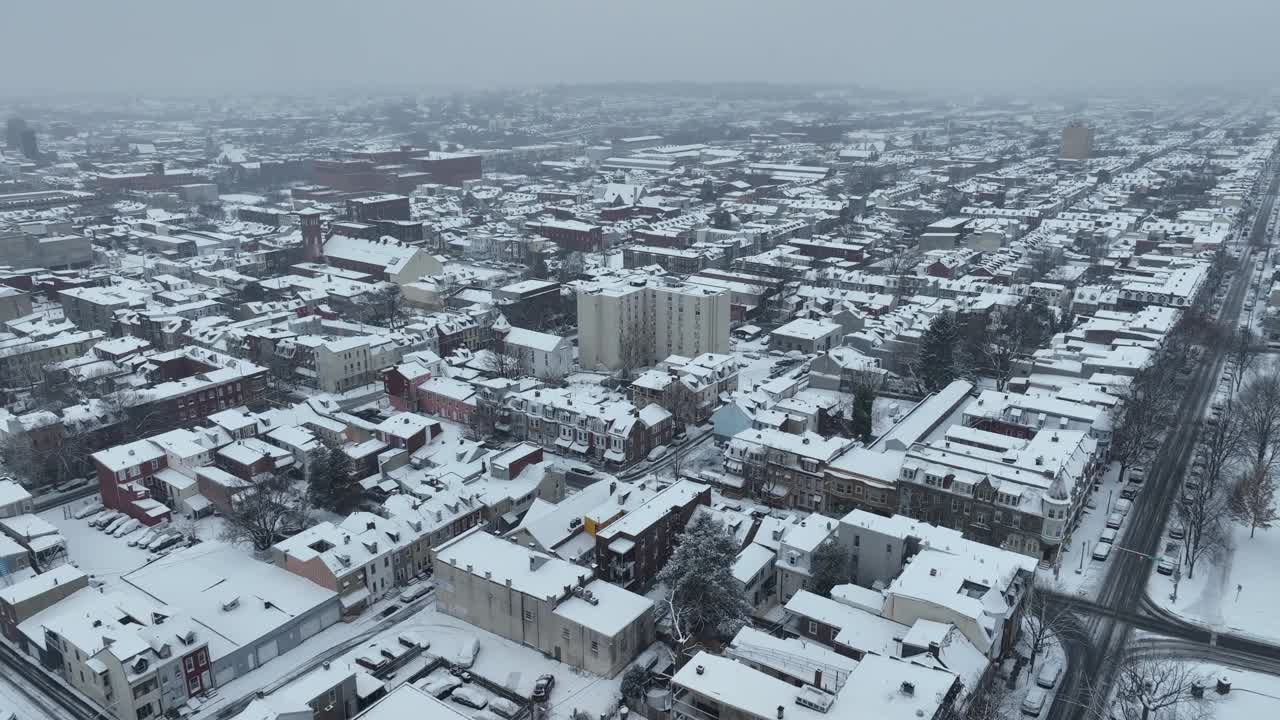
(250,45)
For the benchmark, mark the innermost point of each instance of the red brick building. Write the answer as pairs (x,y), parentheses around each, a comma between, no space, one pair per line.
(631,550)
(127,480)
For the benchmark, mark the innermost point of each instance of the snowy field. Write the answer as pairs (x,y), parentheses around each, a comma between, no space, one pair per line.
(1253,695)
(1078,572)
(1235,594)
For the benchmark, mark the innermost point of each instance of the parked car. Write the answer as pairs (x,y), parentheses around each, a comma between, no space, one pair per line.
(1101,551)
(92,508)
(542,688)
(470,696)
(1137,474)
(1128,493)
(1033,703)
(128,527)
(105,518)
(1107,536)
(1177,532)
(443,686)
(1166,565)
(1115,520)
(116,523)
(147,536)
(1048,675)
(164,540)
(417,591)
(503,707)
(466,655)
(1123,506)
(657,453)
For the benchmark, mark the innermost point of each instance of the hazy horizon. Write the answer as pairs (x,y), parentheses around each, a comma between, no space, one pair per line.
(233,46)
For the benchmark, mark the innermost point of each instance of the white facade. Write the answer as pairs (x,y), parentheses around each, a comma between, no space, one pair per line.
(634,325)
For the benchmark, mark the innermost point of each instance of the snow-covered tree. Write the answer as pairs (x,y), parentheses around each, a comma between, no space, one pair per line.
(940,358)
(828,567)
(261,516)
(701,600)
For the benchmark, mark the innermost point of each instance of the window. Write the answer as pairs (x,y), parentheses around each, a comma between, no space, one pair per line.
(564,633)
(189,664)
(528,615)
(888,548)
(857,540)
(813,628)
(595,647)
(144,711)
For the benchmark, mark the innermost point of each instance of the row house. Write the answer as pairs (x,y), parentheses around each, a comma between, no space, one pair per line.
(1020,495)
(631,550)
(597,426)
(786,467)
(128,480)
(252,459)
(689,388)
(353,560)
(1024,416)
(133,658)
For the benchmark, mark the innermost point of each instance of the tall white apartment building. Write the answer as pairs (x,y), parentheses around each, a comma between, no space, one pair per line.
(634,323)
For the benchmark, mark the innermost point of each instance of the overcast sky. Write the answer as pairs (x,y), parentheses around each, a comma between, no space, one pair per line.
(173,46)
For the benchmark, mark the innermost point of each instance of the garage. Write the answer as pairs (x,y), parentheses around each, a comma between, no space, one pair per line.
(267,652)
(309,627)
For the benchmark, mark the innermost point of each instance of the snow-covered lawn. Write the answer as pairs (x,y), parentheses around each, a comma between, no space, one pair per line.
(1235,593)
(1252,695)
(1078,572)
(887,411)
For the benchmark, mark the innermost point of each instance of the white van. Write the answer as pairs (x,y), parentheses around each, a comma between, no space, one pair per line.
(1048,675)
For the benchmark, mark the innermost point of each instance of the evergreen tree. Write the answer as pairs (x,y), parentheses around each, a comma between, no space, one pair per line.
(332,486)
(828,567)
(940,358)
(701,599)
(860,422)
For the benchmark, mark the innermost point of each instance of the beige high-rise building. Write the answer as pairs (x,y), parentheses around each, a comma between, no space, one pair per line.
(1076,139)
(629,325)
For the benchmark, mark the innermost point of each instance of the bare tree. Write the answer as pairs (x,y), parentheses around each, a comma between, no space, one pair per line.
(635,343)
(1243,353)
(1148,403)
(1201,511)
(1045,624)
(1259,412)
(1253,499)
(266,513)
(504,360)
(482,421)
(988,702)
(1221,444)
(1151,688)
(1010,334)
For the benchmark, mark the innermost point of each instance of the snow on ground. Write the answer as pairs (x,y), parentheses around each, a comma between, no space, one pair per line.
(1253,694)
(886,412)
(1078,572)
(1234,594)
(1011,701)
(16,702)
(754,369)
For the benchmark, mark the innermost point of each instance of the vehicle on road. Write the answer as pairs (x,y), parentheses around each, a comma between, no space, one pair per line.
(1128,493)
(1115,520)
(657,453)
(1108,536)
(1166,565)
(1177,532)
(1101,551)
(388,611)
(542,688)
(1137,474)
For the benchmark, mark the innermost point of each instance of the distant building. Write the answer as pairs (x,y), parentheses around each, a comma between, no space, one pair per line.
(1076,140)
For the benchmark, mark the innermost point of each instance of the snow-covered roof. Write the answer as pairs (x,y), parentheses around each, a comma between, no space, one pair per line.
(530,572)
(614,610)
